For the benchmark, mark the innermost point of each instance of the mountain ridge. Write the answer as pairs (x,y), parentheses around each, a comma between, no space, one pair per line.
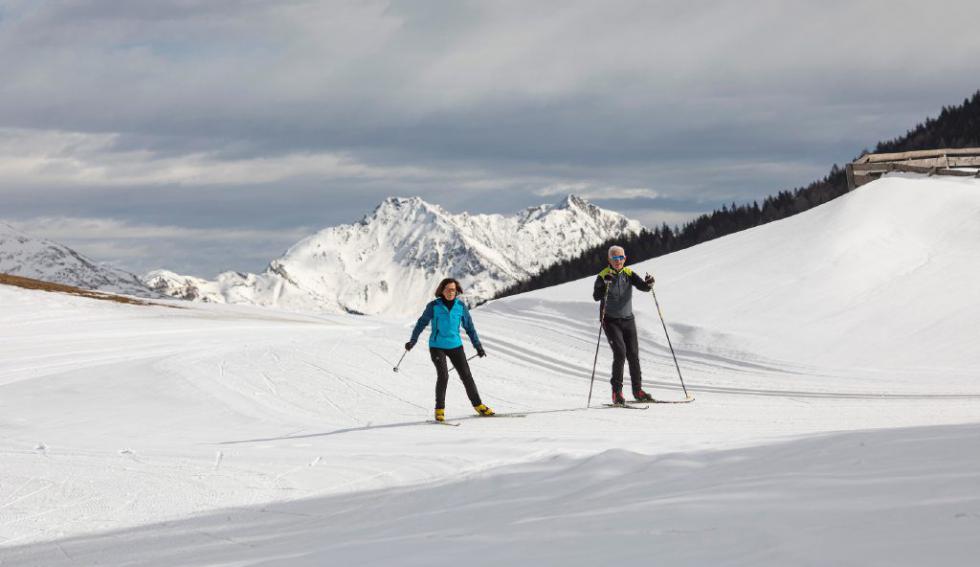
(401,249)
(49,261)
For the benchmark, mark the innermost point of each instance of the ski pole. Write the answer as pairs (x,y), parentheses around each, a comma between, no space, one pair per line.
(666,334)
(453,369)
(395,369)
(602,318)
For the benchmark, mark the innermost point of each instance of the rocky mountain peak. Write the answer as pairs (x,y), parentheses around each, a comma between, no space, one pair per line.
(389,262)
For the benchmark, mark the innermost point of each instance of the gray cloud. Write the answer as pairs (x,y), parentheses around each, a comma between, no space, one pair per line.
(141,247)
(302,113)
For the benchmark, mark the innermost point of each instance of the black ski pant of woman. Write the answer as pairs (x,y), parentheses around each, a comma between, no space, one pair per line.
(458,358)
(621,334)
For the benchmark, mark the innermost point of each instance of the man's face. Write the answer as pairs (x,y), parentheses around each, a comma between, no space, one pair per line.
(617,259)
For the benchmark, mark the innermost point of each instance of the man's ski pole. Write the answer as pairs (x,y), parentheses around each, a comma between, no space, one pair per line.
(395,369)
(602,318)
(666,334)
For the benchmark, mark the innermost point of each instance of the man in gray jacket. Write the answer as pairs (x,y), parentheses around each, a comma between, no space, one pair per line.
(615,284)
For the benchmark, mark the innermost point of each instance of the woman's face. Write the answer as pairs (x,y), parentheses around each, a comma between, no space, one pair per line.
(449,292)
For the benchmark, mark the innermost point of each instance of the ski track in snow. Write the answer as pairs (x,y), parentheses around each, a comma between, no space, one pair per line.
(160,429)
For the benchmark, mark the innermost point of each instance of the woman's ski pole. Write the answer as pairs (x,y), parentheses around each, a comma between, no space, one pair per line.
(453,369)
(395,369)
(602,318)
(666,334)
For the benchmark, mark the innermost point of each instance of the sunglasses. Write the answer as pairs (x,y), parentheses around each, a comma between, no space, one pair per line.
(618,258)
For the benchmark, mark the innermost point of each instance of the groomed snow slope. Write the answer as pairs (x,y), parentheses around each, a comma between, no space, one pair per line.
(855,499)
(222,435)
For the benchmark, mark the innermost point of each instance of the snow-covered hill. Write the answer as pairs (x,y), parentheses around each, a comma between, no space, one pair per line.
(837,418)
(391,261)
(884,277)
(40,259)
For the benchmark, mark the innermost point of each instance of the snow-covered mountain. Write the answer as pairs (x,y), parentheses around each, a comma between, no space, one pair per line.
(41,259)
(391,261)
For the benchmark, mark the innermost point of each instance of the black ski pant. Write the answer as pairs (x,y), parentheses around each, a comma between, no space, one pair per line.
(458,358)
(621,334)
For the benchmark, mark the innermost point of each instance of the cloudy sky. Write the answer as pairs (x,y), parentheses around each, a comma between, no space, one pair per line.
(209,135)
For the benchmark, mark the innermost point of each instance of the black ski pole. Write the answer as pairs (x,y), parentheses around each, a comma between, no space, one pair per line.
(395,369)
(453,369)
(602,318)
(666,334)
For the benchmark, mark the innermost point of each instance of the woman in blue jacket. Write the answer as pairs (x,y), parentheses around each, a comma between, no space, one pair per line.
(446,314)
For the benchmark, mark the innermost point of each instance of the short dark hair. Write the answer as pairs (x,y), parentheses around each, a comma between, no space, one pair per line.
(444,283)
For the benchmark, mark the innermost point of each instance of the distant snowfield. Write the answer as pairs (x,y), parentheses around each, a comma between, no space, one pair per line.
(837,418)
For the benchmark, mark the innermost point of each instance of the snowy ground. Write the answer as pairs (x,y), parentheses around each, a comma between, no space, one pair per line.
(837,418)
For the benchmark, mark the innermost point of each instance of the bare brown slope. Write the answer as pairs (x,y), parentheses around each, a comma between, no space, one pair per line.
(28,283)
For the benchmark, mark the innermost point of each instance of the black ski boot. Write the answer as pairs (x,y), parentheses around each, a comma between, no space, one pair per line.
(641,396)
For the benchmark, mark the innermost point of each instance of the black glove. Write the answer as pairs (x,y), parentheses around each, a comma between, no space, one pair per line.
(648,279)
(608,278)
(409,345)
(480,352)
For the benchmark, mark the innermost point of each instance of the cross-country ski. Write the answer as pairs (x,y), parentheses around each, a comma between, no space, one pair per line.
(444,422)
(624,406)
(686,400)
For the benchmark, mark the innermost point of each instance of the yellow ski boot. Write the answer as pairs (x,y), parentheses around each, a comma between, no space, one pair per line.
(483,410)
(440,415)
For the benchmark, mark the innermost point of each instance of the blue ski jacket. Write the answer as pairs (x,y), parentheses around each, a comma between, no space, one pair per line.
(445,325)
